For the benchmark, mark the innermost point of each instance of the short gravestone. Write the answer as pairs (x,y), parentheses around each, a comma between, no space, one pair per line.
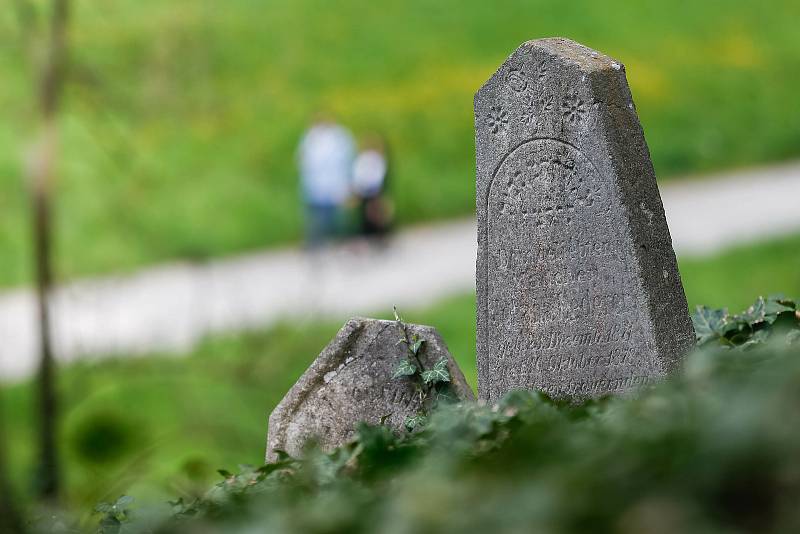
(579,293)
(352,380)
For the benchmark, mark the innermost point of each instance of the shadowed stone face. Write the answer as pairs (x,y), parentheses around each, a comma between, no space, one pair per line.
(578,290)
(351,381)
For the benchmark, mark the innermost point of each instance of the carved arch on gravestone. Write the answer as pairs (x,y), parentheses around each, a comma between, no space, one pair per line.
(583,193)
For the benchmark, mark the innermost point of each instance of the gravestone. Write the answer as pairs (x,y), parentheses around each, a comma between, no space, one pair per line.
(352,381)
(579,293)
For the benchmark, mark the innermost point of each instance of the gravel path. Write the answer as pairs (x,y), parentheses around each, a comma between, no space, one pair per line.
(169,308)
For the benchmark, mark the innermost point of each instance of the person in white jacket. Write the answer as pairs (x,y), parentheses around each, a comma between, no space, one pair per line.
(325,155)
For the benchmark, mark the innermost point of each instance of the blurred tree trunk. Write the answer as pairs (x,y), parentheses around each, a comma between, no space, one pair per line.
(10,519)
(42,176)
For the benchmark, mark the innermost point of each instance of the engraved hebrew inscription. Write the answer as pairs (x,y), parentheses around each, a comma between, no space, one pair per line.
(559,308)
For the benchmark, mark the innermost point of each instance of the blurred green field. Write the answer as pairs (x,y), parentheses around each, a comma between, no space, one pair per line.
(156,427)
(182,117)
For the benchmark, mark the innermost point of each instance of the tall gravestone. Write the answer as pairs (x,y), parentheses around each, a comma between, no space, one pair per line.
(579,293)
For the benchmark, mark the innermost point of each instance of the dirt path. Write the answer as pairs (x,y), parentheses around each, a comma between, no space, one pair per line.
(170,308)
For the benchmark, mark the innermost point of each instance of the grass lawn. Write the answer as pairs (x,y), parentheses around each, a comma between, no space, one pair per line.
(160,426)
(182,117)
(734,278)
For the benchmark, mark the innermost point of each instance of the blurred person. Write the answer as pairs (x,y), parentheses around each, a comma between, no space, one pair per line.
(370,178)
(325,155)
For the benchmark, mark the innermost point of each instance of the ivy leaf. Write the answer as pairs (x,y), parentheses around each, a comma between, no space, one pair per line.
(708,323)
(396,315)
(756,339)
(755,313)
(404,368)
(766,310)
(780,298)
(415,421)
(742,335)
(439,373)
(775,306)
(416,345)
(123,502)
(224,473)
(104,508)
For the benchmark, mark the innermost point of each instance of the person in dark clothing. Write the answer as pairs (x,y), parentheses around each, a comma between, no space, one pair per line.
(370,177)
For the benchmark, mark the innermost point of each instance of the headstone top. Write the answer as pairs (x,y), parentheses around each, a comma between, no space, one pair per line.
(351,381)
(587,59)
(578,289)
(565,51)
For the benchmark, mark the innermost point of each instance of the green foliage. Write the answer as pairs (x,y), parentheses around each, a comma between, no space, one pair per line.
(103,438)
(432,385)
(416,344)
(405,367)
(751,327)
(708,323)
(206,410)
(415,421)
(438,374)
(114,514)
(712,449)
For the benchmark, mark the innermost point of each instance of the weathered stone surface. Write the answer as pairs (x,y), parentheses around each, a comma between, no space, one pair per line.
(579,293)
(351,381)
